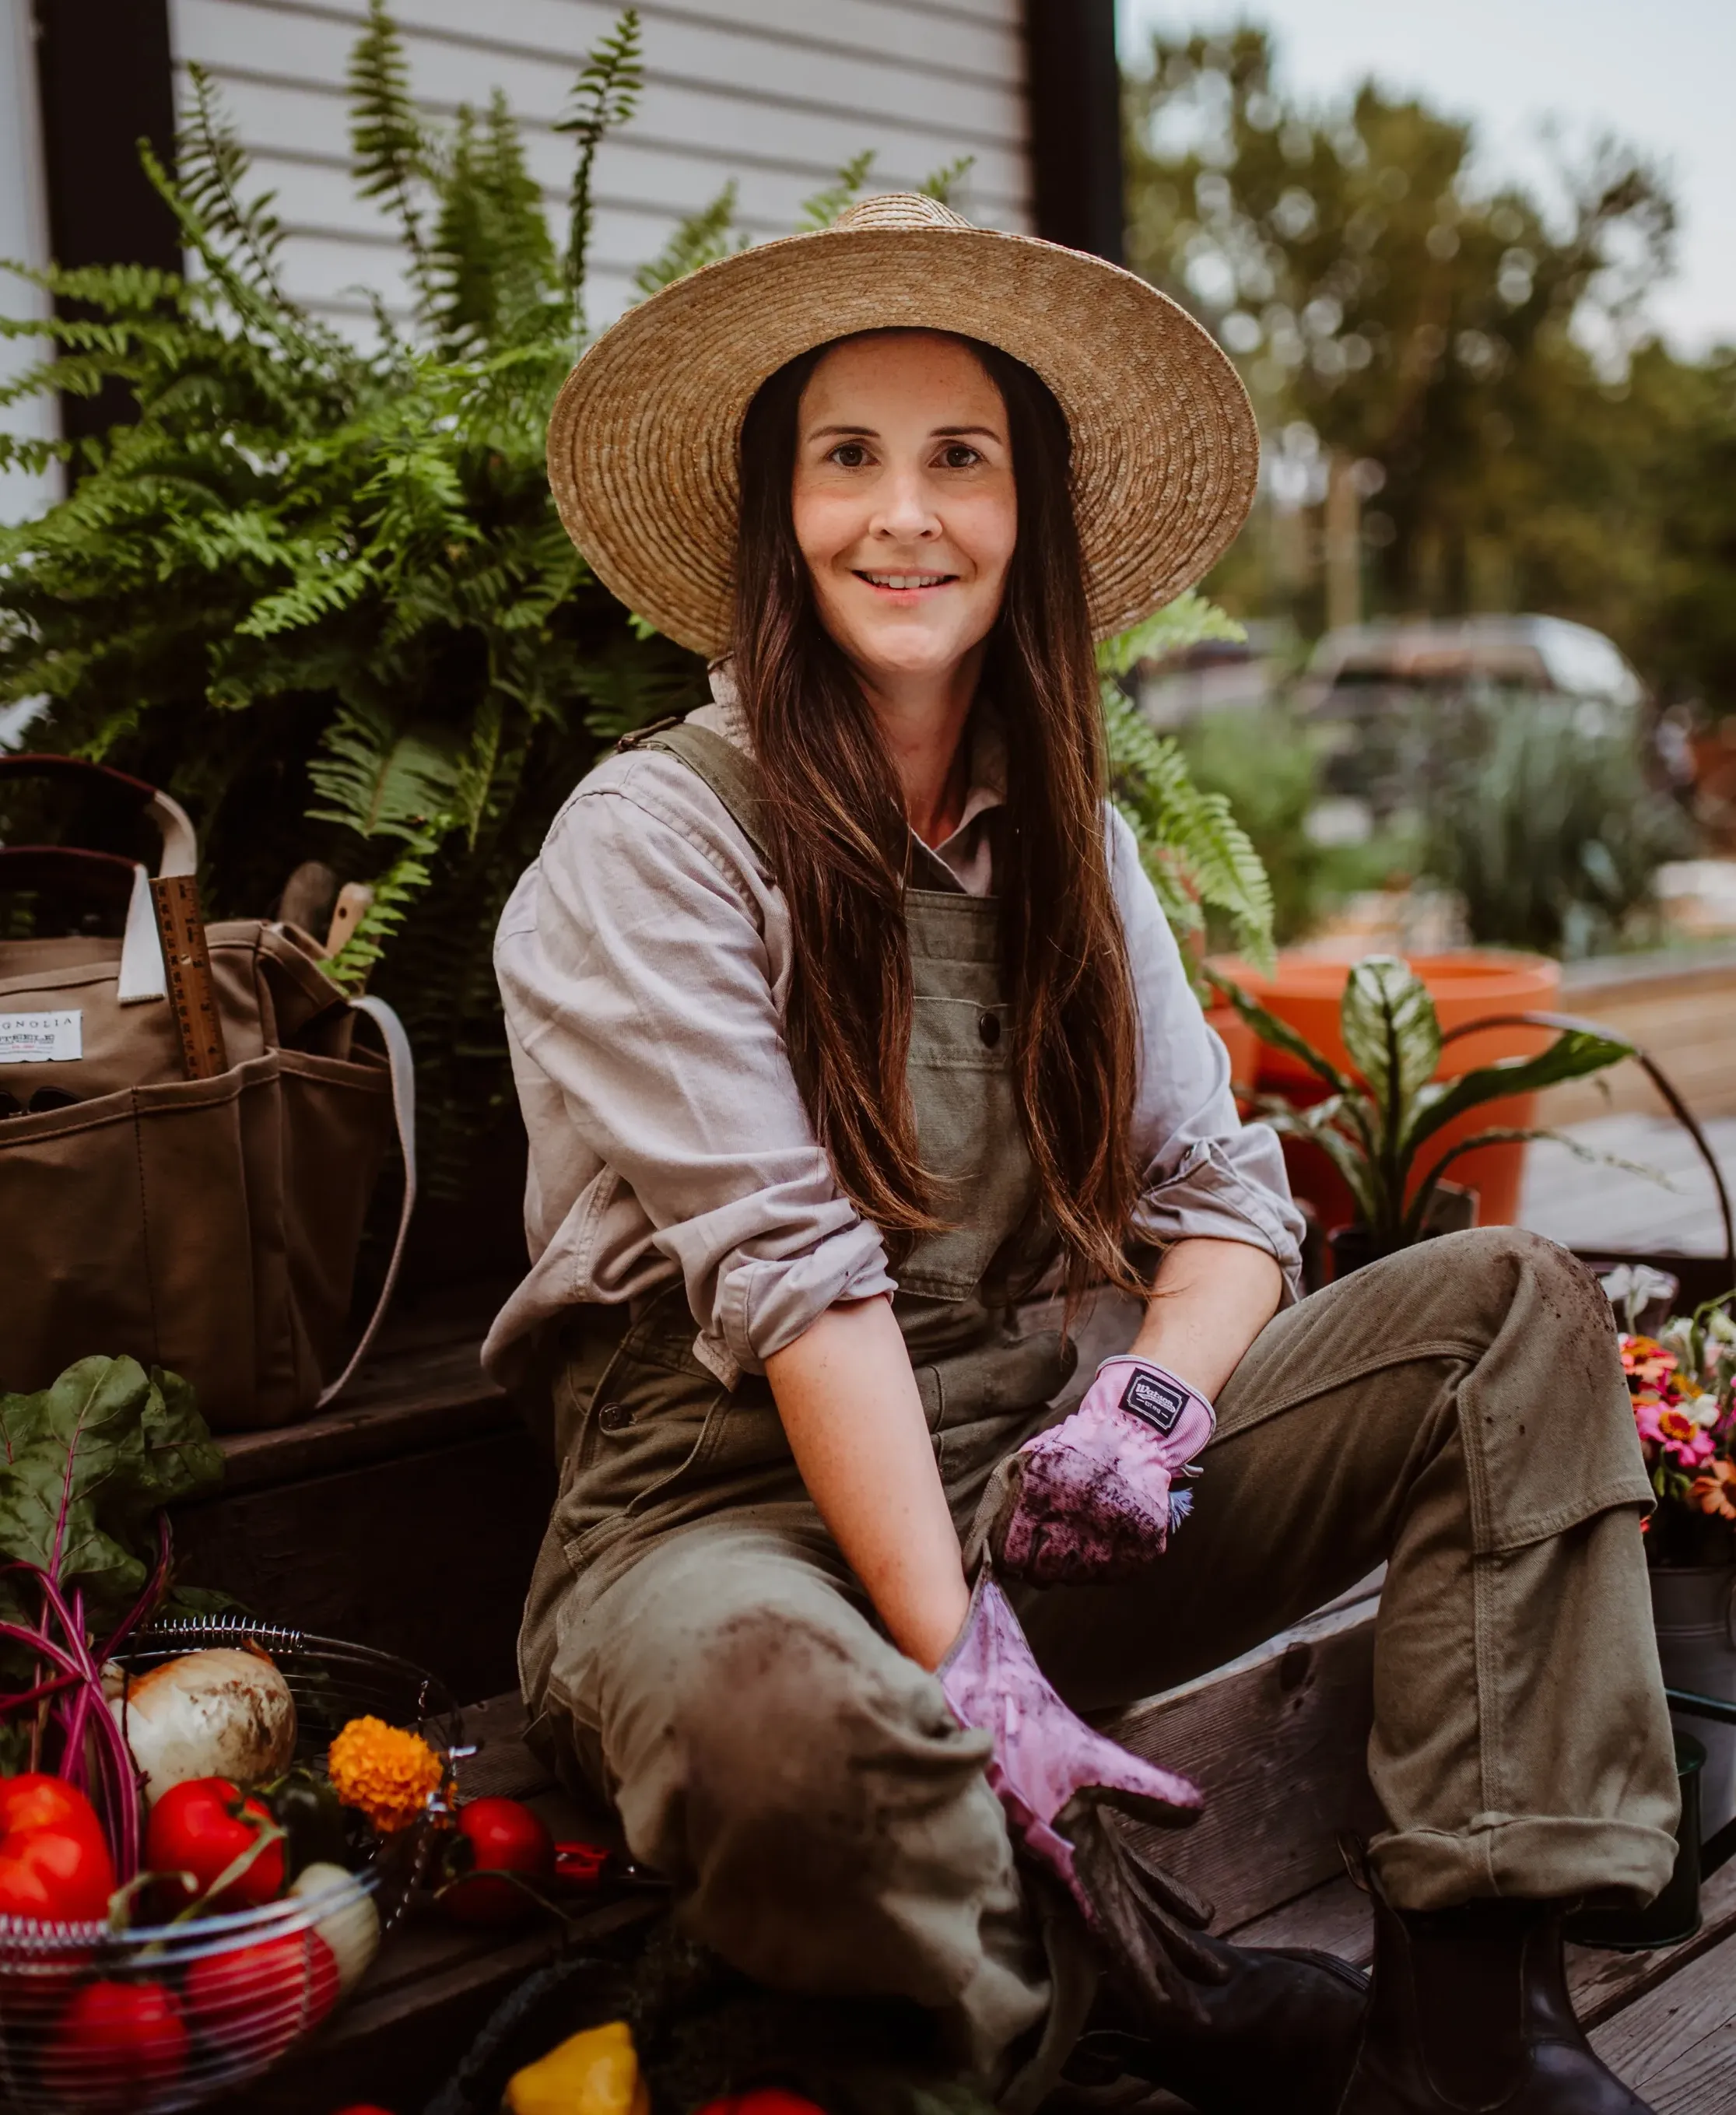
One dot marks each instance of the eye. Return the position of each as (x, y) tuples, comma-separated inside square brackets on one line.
[(848, 455), (960, 455)]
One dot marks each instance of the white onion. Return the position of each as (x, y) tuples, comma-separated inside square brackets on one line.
[(346, 1920), (221, 1714)]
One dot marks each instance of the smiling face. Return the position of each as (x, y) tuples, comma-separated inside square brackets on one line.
[(904, 505)]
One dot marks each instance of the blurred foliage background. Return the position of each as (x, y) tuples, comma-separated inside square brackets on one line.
[(1464, 410), (1478, 360)]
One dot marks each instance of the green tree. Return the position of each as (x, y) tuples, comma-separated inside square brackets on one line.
[(1424, 329)]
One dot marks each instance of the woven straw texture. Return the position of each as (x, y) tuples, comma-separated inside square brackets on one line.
[(642, 445)]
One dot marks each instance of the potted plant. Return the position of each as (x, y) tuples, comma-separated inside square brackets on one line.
[(1683, 1383), (1467, 985), (1384, 1124)]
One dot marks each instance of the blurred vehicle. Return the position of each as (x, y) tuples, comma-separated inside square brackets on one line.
[(1392, 699), (1218, 675)]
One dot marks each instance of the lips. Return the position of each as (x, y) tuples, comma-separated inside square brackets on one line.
[(906, 583)]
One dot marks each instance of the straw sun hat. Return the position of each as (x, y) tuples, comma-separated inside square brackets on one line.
[(643, 441)]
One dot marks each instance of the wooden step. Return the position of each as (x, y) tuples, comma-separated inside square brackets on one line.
[(407, 1517)]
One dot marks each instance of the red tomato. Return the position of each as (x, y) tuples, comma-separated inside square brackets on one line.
[(202, 1828), (761, 2100), (54, 1861), (253, 2001), (503, 1837), (116, 2042)]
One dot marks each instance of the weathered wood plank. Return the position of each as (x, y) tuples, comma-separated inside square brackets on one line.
[(1604, 1983), (425, 1553), (1278, 1741), (1676, 2046), (1337, 1918), (1332, 1918)]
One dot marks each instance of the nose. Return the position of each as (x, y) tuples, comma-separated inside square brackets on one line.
[(905, 514)]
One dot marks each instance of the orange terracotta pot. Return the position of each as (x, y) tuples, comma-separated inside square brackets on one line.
[(1466, 986)]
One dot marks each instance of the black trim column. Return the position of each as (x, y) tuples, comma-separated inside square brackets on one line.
[(1074, 93), (103, 74)]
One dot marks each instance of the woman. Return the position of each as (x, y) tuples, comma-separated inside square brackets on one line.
[(842, 1013)]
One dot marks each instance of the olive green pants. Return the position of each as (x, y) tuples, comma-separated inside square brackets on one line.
[(697, 1649)]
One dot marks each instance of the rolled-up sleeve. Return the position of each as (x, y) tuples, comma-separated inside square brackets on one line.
[(1202, 1172), (640, 983)]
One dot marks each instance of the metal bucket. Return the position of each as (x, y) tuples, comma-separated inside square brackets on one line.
[(1694, 1609)]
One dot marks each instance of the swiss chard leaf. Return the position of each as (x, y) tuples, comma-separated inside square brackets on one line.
[(85, 1464)]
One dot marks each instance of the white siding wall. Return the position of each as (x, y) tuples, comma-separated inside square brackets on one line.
[(777, 94), (24, 237)]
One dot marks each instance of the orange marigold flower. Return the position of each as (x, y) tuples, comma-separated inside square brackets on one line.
[(387, 1774), (1714, 1490)]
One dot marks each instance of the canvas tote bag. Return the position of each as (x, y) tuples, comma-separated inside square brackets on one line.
[(207, 1225)]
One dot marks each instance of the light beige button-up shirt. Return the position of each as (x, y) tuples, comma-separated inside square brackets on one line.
[(644, 962)]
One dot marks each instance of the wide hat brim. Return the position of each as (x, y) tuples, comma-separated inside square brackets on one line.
[(643, 441)]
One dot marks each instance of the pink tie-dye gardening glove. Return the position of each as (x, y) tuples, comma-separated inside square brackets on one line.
[(1053, 1776), (1092, 1498)]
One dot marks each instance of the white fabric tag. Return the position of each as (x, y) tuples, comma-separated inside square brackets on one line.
[(38, 1038)]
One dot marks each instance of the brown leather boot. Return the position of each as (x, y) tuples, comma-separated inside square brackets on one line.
[(1470, 2015)]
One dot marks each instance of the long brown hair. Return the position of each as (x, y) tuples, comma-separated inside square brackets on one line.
[(840, 847)]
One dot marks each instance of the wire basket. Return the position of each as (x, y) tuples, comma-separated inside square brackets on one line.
[(167, 2016)]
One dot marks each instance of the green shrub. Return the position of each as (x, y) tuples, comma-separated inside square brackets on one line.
[(1541, 817)]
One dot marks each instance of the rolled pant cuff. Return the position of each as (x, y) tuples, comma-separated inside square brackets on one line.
[(1537, 1857)]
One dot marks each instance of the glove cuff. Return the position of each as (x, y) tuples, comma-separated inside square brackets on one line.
[(1151, 1393)]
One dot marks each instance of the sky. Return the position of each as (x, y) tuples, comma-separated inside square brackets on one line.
[(1660, 74)]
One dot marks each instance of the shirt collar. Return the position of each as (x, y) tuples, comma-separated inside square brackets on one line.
[(962, 851)]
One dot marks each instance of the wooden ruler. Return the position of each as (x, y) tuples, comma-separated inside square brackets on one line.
[(192, 991)]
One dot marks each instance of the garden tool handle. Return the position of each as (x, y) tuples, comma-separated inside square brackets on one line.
[(180, 844), (1658, 1078)]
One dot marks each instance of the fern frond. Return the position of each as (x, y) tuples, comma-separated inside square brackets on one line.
[(1215, 861), (944, 181), (381, 780), (605, 95), (702, 238), (391, 154), (211, 166), (492, 271), (395, 893), (824, 207), (1189, 620)]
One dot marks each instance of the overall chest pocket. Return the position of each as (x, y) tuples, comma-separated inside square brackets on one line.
[(968, 1127)]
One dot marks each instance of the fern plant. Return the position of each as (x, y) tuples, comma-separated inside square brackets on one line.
[(319, 590)]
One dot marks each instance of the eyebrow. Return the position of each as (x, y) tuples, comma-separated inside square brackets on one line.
[(872, 433)]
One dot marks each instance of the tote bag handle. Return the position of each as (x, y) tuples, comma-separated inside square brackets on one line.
[(143, 973), (402, 1069)]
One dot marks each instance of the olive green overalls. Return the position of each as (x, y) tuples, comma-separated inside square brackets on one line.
[(694, 1647)]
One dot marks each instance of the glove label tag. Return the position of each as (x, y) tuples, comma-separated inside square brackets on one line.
[(1155, 1397)]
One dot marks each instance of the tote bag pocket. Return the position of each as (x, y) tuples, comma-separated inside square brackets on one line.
[(207, 1226)]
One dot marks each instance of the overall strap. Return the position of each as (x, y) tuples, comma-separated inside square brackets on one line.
[(729, 772)]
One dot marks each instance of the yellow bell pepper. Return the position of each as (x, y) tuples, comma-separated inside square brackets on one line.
[(595, 2073)]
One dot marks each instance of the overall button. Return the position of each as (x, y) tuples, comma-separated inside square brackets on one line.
[(614, 1417), (988, 1027)]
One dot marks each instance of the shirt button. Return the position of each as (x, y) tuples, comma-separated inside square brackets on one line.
[(988, 1027), (614, 1417)]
